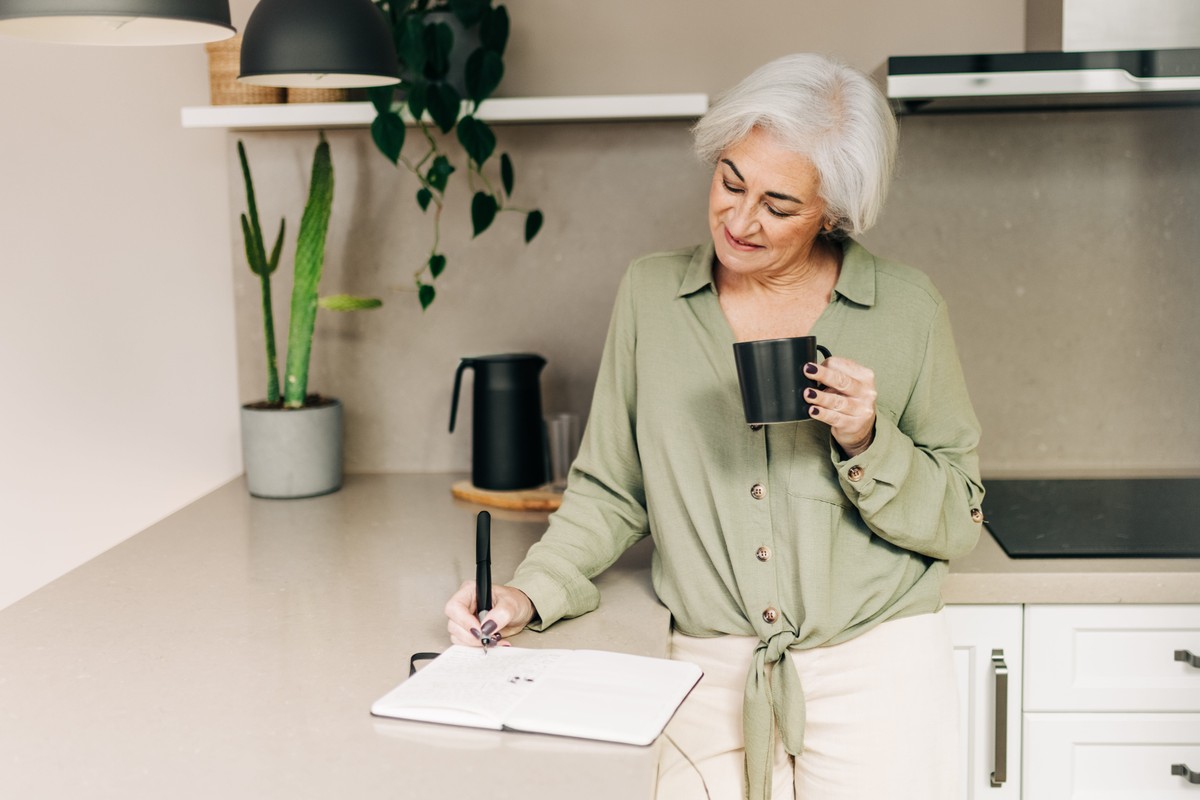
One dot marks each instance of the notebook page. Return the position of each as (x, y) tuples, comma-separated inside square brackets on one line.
[(465, 686), (608, 696)]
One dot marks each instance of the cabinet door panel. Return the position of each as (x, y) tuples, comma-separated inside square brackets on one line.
[(977, 633), (1110, 756), (1111, 658)]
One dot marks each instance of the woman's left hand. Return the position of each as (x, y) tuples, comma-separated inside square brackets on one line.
[(846, 403)]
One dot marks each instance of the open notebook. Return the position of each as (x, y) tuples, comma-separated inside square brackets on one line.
[(590, 694)]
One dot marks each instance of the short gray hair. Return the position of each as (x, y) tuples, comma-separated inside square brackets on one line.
[(824, 110)]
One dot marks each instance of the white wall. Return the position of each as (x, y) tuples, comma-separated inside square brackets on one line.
[(118, 399)]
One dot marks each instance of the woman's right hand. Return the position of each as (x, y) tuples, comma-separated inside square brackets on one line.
[(511, 611)]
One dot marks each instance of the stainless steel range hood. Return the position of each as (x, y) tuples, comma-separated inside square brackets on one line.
[(1083, 53)]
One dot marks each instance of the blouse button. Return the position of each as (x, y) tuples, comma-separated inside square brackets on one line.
[(758, 491), (770, 615), (855, 473), (763, 553), (976, 515)]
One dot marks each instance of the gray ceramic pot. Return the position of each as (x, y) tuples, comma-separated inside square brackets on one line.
[(292, 453)]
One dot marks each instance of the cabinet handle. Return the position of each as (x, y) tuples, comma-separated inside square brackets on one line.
[(1187, 657), (1182, 769), (1000, 757)]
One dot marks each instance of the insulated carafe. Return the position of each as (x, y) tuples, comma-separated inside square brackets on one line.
[(508, 444)]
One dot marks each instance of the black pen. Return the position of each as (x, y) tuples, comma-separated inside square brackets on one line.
[(483, 575)]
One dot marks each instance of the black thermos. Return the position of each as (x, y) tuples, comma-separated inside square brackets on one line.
[(508, 447)]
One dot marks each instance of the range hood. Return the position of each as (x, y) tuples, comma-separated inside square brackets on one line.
[(1081, 54)]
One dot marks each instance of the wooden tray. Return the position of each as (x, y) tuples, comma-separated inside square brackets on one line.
[(521, 500)]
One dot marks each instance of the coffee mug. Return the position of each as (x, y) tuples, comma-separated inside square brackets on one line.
[(772, 378)]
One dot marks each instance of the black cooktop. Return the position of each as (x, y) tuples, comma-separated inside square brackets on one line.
[(1115, 517)]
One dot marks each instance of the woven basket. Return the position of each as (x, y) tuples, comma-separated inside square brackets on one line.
[(325, 95), (224, 63)]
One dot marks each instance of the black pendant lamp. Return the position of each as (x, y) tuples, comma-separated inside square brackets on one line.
[(119, 22), (318, 44)]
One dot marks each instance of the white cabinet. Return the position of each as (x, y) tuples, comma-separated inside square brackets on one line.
[(1112, 702), (1123, 756), (988, 659)]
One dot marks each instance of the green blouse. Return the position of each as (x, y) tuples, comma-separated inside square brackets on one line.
[(767, 531)]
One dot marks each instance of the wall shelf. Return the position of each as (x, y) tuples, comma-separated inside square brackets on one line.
[(598, 108)]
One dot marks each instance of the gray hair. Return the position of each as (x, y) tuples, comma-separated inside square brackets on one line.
[(821, 109)]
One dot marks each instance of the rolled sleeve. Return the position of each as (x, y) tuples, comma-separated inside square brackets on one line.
[(918, 484)]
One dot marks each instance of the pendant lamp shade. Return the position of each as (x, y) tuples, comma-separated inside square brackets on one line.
[(316, 44), (117, 22)]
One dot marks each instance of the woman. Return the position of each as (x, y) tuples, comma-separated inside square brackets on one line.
[(801, 562)]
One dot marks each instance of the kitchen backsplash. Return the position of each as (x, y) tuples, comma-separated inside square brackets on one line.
[(1065, 243)]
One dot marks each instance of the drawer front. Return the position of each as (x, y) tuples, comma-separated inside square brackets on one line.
[(1110, 756), (1112, 658)]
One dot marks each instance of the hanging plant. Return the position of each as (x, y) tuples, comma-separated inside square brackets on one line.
[(435, 39)]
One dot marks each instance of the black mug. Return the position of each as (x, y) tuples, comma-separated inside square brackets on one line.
[(771, 375)]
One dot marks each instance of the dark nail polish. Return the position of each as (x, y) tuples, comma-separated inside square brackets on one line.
[(475, 632), (810, 368), (814, 411), (496, 636), (810, 394), (489, 626)]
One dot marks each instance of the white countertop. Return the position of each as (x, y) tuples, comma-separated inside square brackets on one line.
[(233, 650)]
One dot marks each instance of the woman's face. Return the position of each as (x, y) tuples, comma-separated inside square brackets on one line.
[(764, 210)]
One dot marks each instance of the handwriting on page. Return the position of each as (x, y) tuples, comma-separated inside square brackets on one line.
[(464, 678)]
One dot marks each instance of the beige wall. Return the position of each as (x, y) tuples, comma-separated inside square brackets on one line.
[(1062, 241), (117, 380)]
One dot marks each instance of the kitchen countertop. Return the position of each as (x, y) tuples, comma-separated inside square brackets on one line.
[(233, 650), (989, 575)]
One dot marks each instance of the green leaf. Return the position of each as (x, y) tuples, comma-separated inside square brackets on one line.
[(506, 173), (417, 94), (425, 293), (387, 129), (469, 11), (439, 173), (444, 105), (346, 302), (254, 239), (485, 69), (310, 258), (476, 138), (410, 44), (439, 41), (252, 257), (437, 263), (493, 31), (483, 211), (533, 224), (273, 261), (423, 197), (382, 97)]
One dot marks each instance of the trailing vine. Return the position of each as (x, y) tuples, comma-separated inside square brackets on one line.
[(433, 99)]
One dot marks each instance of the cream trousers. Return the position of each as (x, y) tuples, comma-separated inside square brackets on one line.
[(882, 719)]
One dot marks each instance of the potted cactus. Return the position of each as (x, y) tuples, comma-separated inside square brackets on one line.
[(292, 440)]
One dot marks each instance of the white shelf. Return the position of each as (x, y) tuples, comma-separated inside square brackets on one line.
[(610, 108)]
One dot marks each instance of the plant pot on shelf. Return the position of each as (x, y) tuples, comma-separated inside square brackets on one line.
[(295, 95), (224, 64), (291, 453)]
